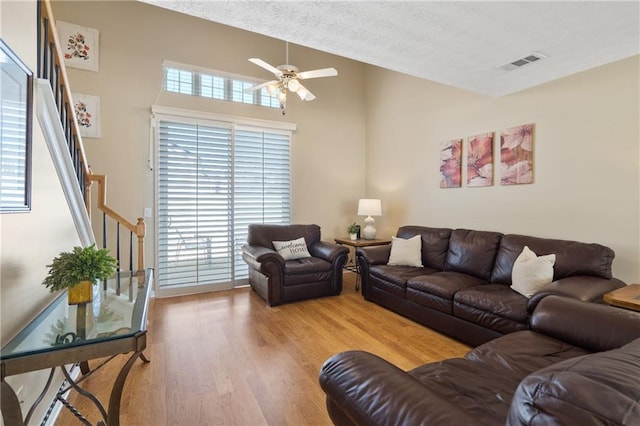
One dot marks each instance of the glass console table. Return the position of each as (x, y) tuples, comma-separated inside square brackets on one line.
[(114, 323)]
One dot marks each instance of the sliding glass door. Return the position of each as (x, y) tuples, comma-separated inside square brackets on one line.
[(213, 179)]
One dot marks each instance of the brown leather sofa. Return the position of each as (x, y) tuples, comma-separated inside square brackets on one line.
[(278, 281), (463, 288), (579, 364)]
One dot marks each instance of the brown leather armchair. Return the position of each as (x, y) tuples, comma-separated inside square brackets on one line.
[(281, 281)]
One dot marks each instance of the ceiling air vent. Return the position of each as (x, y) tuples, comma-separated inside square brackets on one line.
[(523, 61)]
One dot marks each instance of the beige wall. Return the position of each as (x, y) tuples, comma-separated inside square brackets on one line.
[(328, 148), (587, 182), (30, 240)]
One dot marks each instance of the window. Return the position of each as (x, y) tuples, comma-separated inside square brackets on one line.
[(194, 81), (213, 179)]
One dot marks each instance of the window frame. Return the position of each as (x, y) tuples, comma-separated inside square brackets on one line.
[(230, 93)]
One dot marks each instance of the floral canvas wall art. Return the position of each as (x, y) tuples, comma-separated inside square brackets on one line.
[(87, 108), (79, 45), (451, 164), (516, 155), (480, 160)]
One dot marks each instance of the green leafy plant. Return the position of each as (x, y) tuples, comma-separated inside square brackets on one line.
[(82, 264), (353, 228)]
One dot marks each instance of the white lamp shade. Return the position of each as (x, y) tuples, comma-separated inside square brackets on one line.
[(369, 207), (293, 85)]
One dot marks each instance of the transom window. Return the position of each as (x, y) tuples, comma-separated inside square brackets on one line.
[(195, 81)]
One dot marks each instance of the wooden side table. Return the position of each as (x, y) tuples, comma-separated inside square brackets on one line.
[(352, 265), (626, 297)]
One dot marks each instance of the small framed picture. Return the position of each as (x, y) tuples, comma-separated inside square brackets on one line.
[(87, 108), (80, 46)]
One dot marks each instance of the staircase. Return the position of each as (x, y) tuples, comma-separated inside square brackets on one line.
[(55, 109)]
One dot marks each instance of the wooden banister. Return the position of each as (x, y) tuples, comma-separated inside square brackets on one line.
[(138, 228), (51, 67), (58, 59)]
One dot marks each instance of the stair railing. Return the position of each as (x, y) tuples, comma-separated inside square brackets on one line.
[(51, 67)]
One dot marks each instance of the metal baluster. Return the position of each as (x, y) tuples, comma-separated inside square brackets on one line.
[(40, 43), (130, 251), (118, 258), (104, 241)]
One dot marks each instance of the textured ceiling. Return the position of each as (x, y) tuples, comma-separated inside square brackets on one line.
[(461, 44)]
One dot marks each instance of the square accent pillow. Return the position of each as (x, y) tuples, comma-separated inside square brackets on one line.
[(294, 249), (531, 273), (406, 252)]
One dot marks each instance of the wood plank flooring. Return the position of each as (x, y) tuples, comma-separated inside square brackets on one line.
[(226, 358)]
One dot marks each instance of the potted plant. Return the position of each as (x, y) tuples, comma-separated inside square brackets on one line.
[(353, 231), (78, 270)]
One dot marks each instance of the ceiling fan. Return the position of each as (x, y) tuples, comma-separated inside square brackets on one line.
[(288, 80)]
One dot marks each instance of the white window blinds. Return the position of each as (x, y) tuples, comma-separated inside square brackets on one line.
[(262, 183), (213, 180), (13, 155)]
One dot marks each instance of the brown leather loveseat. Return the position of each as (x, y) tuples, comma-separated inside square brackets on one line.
[(578, 364), (280, 281), (463, 287)]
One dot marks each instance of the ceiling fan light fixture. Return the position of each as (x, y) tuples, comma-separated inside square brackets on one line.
[(293, 85), (272, 89), (282, 97)]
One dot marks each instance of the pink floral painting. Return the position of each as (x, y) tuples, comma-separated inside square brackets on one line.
[(451, 164), (516, 155), (480, 160)]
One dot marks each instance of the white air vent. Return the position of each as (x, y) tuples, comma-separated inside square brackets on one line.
[(523, 61)]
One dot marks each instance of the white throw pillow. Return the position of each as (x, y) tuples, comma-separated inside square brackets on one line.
[(406, 252), (531, 273), (294, 249)]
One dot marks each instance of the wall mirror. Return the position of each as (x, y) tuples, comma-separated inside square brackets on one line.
[(16, 109)]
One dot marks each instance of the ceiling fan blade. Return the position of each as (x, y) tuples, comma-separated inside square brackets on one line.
[(259, 62), (305, 94), (324, 72), (260, 86)]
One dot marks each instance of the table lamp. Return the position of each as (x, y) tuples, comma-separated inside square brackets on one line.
[(369, 207)]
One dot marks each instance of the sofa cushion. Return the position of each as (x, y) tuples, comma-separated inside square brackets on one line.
[(394, 278), (494, 306), (435, 243), (531, 272), (478, 390), (406, 252), (436, 290), (596, 389), (443, 284), (572, 257), (306, 265), (524, 352), (472, 252)]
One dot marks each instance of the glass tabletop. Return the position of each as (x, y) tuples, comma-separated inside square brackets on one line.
[(118, 310)]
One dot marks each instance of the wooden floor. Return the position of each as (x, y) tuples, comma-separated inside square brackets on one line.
[(226, 358)]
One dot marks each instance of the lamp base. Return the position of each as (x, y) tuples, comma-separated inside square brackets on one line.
[(369, 232)]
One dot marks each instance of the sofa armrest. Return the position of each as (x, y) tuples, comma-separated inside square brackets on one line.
[(375, 255), (257, 256), (327, 251), (591, 326), (581, 287), (368, 390)]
